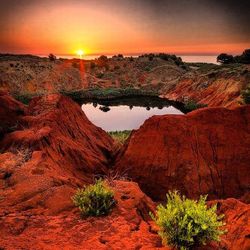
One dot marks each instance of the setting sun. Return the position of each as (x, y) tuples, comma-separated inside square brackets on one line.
[(80, 52)]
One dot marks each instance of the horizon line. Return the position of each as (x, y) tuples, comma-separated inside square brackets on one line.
[(114, 54)]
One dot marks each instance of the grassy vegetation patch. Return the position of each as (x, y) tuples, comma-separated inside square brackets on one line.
[(186, 223), (107, 93), (191, 105), (95, 200), (25, 98), (246, 95), (120, 136)]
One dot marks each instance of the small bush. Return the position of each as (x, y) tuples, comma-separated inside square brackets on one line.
[(120, 136), (246, 95), (191, 105), (243, 58), (186, 223), (95, 200), (225, 58), (52, 57)]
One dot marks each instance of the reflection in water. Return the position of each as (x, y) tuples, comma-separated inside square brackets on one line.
[(103, 108), (123, 117)]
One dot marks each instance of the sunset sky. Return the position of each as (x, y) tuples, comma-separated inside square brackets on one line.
[(119, 26)]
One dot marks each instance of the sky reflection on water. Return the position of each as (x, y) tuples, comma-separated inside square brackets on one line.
[(123, 117)]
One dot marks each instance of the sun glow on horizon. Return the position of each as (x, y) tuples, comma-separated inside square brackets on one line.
[(80, 53), (84, 28)]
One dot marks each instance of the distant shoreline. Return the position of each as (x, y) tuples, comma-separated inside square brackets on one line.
[(185, 58)]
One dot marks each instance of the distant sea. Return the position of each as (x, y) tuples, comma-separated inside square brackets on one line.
[(185, 58)]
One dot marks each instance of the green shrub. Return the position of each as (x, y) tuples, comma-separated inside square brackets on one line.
[(95, 200), (191, 105), (186, 223), (25, 99), (246, 95), (120, 136), (225, 58)]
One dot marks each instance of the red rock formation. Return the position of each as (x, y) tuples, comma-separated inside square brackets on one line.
[(54, 149), (127, 227), (214, 85), (204, 152), (218, 86)]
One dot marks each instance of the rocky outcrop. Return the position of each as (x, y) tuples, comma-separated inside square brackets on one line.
[(204, 152), (210, 85), (127, 227), (53, 149)]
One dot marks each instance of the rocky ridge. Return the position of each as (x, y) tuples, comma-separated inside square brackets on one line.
[(210, 84)]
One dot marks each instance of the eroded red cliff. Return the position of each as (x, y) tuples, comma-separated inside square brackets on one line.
[(215, 86), (53, 149), (204, 152)]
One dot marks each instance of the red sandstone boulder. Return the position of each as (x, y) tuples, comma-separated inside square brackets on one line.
[(204, 152), (54, 149)]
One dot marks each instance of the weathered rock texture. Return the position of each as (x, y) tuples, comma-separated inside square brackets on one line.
[(53, 149), (10, 113), (237, 219), (204, 152), (214, 85), (127, 227)]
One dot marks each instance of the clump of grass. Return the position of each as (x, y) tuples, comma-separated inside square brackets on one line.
[(246, 95), (95, 200), (107, 93), (24, 98), (186, 223), (120, 136), (191, 105)]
